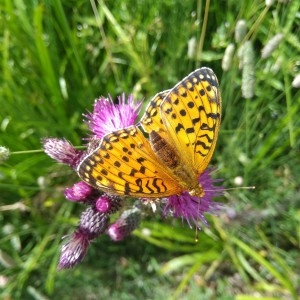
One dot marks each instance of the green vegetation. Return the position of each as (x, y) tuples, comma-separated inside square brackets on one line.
[(58, 56)]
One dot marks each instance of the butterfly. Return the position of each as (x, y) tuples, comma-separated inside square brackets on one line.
[(182, 126)]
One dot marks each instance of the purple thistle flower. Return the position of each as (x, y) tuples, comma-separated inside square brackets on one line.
[(123, 227), (104, 204), (78, 192), (108, 117), (92, 224), (108, 204), (74, 250), (82, 192), (94, 221), (193, 208), (62, 151)]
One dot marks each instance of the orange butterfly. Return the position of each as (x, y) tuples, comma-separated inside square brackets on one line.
[(182, 124)]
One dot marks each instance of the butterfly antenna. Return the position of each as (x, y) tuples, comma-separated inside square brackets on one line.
[(230, 189)]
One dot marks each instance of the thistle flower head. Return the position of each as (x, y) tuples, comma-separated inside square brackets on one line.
[(192, 208), (107, 116), (62, 151), (74, 250), (93, 223)]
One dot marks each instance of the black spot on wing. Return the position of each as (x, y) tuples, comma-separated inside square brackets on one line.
[(104, 172), (125, 158), (190, 130), (117, 164), (147, 185), (213, 115), (208, 139), (126, 188), (182, 112), (179, 127), (191, 104)]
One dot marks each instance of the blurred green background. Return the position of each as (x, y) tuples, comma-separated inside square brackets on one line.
[(58, 56)]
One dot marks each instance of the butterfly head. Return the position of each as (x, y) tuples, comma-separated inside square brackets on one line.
[(197, 191)]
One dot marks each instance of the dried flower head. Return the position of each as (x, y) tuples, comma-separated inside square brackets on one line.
[(228, 56), (269, 2), (4, 153), (240, 30), (296, 81), (248, 70), (62, 151), (271, 45), (192, 47), (74, 250)]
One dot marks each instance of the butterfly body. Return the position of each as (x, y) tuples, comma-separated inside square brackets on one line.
[(163, 150), (182, 124), (185, 175)]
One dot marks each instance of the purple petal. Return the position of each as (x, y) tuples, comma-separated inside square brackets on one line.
[(103, 204), (108, 117), (108, 204), (78, 192), (193, 208)]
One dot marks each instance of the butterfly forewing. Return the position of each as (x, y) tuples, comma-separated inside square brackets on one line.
[(125, 164), (151, 120)]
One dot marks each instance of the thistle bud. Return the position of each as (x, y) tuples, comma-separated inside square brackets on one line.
[(62, 151), (74, 250), (78, 192), (128, 221), (93, 223)]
